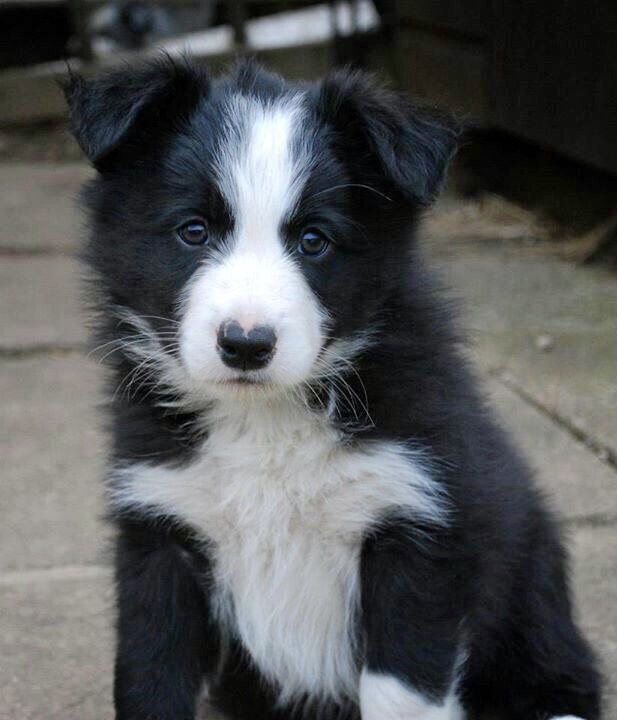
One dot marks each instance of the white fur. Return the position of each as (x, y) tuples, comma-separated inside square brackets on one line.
[(566, 717), (252, 279), (383, 697), (285, 507)]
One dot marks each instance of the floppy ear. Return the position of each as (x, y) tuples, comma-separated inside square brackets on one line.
[(412, 145), (107, 110)]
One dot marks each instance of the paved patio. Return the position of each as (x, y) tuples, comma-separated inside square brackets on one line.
[(543, 337)]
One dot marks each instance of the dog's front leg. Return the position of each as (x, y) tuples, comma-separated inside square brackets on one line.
[(165, 643), (412, 611)]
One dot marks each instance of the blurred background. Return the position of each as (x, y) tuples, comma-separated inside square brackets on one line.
[(525, 234)]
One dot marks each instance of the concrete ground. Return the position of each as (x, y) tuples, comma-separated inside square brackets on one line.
[(543, 337)]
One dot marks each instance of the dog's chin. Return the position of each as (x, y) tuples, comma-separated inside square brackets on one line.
[(205, 383), (245, 387)]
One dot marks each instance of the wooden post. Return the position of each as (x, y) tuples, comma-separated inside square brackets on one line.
[(237, 16), (79, 17)]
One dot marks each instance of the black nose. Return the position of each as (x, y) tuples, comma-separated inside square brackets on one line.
[(245, 351)]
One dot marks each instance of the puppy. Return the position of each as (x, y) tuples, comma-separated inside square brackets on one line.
[(316, 514)]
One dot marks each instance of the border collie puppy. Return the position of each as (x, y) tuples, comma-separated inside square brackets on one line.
[(316, 514)]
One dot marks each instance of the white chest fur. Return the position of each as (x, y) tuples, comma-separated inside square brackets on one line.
[(285, 507)]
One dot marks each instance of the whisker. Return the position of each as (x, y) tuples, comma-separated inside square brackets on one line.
[(351, 185), (156, 317), (111, 342), (331, 367), (127, 343)]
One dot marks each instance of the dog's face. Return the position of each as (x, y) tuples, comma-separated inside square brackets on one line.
[(252, 230)]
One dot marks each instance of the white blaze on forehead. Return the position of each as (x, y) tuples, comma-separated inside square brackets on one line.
[(261, 168)]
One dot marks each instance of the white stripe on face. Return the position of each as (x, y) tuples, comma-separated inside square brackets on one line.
[(257, 171), (255, 282)]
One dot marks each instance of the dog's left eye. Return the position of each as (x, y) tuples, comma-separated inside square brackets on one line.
[(313, 243), (193, 232)]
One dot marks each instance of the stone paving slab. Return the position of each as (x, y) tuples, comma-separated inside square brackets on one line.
[(56, 649), (513, 296), (576, 483), (594, 570), (37, 205), (51, 449), (40, 303), (56, 646)]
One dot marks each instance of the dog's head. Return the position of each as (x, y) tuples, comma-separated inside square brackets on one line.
[(252, 230)]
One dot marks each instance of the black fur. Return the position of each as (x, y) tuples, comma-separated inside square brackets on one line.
[(495, 576)]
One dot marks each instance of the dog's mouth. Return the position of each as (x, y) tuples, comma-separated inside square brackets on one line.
[(248, 381)]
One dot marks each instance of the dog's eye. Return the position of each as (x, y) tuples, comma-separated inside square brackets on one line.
[(194, 232), (313, 243)]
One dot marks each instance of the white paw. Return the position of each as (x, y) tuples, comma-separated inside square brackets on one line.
[(384, 697)]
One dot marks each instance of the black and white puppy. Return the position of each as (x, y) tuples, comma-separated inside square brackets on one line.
[(317, 516)]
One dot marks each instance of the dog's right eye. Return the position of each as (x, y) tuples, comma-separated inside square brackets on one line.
[(193, 232)]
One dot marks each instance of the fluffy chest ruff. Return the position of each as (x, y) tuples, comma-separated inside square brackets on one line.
[(284, 506)]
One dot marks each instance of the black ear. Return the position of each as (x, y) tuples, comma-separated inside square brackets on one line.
[(105, 111), (412, 145)]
